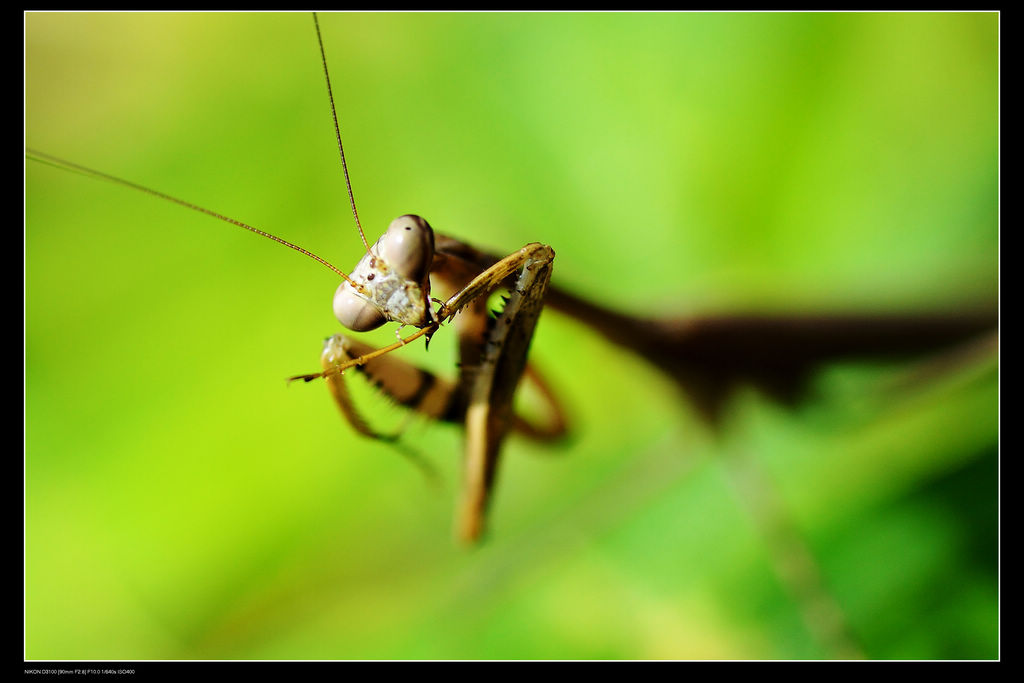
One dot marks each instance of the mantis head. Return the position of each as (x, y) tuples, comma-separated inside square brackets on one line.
[(391, 282)]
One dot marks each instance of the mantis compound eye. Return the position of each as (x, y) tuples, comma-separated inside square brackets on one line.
[(408, 247), (355, 312)]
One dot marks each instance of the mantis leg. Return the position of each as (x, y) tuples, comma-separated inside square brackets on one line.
[(406, 384), (427, 394)]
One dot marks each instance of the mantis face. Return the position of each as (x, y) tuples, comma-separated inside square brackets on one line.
[(391, 282)]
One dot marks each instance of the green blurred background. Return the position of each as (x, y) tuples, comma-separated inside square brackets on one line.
[(183, 502)]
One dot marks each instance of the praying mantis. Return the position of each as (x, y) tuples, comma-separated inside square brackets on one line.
[(709, 382), (568, 268), (392, 283)]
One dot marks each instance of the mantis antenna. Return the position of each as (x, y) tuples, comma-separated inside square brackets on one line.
[(51, 160), (337, 134)]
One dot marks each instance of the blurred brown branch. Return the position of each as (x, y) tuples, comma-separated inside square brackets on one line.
[(710, 356)]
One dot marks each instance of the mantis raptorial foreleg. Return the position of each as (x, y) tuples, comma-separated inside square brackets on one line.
[(488, 416)]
